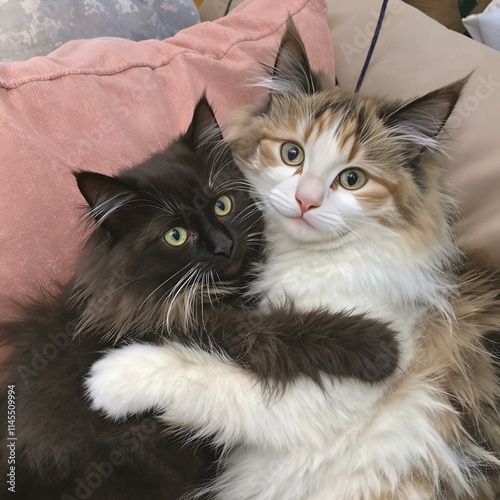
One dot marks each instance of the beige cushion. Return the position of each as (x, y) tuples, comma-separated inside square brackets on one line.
[(414, 55)]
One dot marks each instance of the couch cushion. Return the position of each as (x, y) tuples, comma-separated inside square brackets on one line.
[(415, 55), (106, 103)]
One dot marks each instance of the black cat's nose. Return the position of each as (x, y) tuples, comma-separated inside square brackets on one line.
[(220, 243), (224, 248)]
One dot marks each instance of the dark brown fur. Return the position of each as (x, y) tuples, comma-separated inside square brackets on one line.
[(284, 344), (64, 449)]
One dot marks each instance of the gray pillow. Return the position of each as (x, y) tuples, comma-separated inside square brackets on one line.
[(31, 28)]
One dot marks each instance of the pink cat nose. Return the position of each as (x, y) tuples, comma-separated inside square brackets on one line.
[(305, 205), (310, 192)]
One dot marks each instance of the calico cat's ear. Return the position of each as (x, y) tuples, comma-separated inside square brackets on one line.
[(108, 198), (292, 71), (204, 130), (420, 121)]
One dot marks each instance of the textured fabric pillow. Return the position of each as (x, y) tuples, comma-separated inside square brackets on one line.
[(415, 55), (35, 28), (106, 103)]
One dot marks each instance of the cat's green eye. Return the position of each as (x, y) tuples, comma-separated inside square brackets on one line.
[(352, 178), (176, 236), (223, 206), (292, 154)]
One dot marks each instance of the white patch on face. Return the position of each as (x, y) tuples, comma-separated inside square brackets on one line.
[(327, 213)]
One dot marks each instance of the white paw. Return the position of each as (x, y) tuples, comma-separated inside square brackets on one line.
[(119, 384)]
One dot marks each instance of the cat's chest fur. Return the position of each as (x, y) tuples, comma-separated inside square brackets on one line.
[(378, 278), (371, 282)]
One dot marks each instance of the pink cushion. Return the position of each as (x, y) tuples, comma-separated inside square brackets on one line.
[(107, 103)]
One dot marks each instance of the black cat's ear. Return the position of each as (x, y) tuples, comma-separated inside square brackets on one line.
[(420, 121), (108, 198), (204, 130), (292, 71)]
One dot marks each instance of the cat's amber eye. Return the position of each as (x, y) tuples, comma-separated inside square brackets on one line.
[(292, 154), (223, 206), (176, 236), (352, 178)]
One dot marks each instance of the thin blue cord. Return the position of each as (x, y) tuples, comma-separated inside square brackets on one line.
[(228, 7), (372, 45)]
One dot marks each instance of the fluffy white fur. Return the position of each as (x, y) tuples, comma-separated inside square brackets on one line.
[(305, 444)]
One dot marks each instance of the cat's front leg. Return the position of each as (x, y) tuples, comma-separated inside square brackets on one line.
[(213, 396), (131, 379), (282, 343), (191, 388)]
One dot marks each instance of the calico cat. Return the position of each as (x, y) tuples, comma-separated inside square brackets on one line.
[(169, 257), (356, 218)]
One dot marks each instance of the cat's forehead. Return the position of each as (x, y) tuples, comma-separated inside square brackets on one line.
[(334, 121), (178, 180)]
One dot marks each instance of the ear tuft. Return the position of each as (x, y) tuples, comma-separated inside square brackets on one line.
[(292, 71), (204, 131), (420, 121)]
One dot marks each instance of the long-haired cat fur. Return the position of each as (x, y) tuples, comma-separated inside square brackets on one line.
[(356, 219), (169, 256)]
